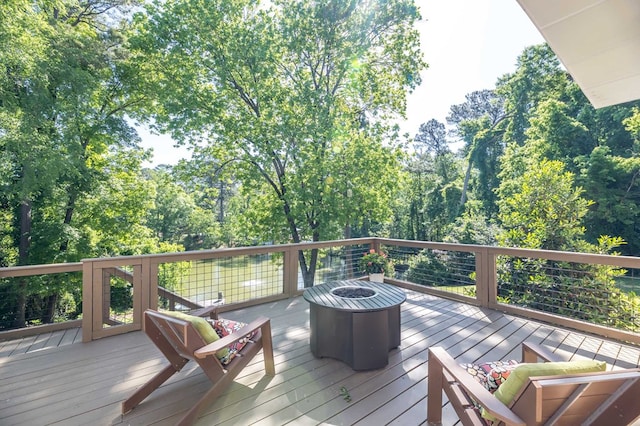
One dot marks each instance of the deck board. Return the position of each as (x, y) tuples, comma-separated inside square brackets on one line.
[(56, 380), (41, 341)]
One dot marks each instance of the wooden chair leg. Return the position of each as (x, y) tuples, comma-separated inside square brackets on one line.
[(267, 349), (217, 387), (208, 398), (434, 391), (153, 384)]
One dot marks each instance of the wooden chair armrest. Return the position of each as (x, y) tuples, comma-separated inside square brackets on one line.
[(214, 347), (473, 388), (531, 352)]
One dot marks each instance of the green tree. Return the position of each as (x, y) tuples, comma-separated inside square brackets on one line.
[(595, 146), (62, 110), (176, 218), (560, 136), (538, 77), (480, 124), (541, 94), (430, 197), (215, 193), (613, 182), (632, 125), (473, 227), (294, 97), (542, 209)]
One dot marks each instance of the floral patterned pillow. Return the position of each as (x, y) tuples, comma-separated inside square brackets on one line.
[(491, 374), (224, 327)]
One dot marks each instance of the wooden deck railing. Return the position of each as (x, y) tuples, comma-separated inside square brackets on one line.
[(486, 281), (473, 278), (34, 271)]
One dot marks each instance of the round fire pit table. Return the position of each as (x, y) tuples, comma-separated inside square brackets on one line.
[(357, 322)]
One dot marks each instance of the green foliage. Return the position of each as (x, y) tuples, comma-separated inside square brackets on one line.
[(441, 268), (556, 134), (375, 262), (67, 306), (632, 125), (472, 227), (442, 195), (175, 216), (538, 77), (429, 200), (579, 291), (480, 124), (293, 98), (121, 297), (612, 181), (344, 393), (46, 298), (62, 121), (542, 209)]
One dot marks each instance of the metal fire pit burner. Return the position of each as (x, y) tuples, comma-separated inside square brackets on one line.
[(358, 330), (351, 292)]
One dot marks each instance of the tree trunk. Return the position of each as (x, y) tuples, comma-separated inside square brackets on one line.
[(49, 311), (463, 197), (23, 259), (71, 203), (221, 200), (309, 273)]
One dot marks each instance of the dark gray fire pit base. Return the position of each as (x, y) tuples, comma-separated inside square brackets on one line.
[(359, 331)]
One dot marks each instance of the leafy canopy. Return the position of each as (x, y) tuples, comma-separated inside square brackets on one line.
[(294, 97)]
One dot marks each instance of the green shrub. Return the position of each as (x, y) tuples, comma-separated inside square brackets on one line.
[(441, 268)]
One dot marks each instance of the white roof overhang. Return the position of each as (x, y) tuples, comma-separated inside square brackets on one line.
[(598, 42)]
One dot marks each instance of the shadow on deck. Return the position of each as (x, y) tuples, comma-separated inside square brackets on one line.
[(85, 383)]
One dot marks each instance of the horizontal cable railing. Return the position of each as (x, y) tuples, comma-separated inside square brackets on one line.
[(40, 296), (595, 293), (600, 294), (590, 292), (450, 271)]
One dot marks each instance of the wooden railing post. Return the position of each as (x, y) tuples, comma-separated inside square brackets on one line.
[(492, 278), (106, 295), (149, 279), (486, 277), (482, 277), (138, 295), (87, 301), (290, 271)]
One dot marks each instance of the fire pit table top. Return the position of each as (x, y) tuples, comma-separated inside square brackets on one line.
[(328, 295)]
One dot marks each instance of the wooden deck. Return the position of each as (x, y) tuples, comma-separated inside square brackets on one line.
[(40, 342), (85, 383)]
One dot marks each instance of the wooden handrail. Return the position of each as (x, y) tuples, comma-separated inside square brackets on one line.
[(174, 298), (141, 272)]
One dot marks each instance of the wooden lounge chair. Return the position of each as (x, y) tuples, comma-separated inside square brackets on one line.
[(595, 398), (181, 339)]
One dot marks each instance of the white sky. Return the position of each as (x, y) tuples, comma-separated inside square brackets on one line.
[(468, 44)]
